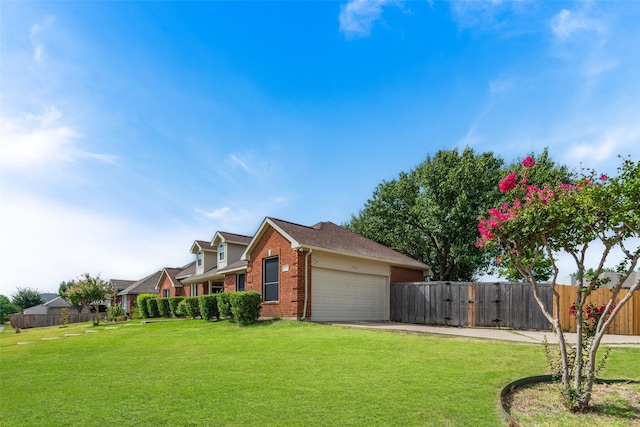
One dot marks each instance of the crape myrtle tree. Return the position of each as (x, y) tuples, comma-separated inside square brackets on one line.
[(546, 172), (89, 291), (430, 213), (62, 291), (570, 218)]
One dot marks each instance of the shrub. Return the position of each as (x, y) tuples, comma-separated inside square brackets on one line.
[(134, 313), (246, 306), (224, 305), (209, 307), (192, 307), (163, 307), (152, 307), (181, 309), (173, 305), (142, 304), (114, 311)]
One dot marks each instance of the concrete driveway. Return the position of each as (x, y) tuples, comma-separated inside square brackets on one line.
[(489, 333)]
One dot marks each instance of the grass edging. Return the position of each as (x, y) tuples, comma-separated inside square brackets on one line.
[(513, 386)]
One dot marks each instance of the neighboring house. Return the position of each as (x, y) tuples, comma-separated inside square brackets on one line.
[(146, 285), (205, 280), (52, 306), (209, 278), (119, 286), (169, 284), (613, 279), (321, 273)]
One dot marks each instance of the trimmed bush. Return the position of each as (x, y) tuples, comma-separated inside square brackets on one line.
[(181, 310), (192, 307), (152, 307), (163, 307), (173, 305), (224, 305), (135, 314), (142, 303), (209, 307), (246, 307)]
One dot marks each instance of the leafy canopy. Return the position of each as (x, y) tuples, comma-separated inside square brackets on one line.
[(430, 213), (27, 297)]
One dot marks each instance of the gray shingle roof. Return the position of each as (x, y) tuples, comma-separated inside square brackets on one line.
[(329, 236), (235, 238), (187, 270), (238, 265), (120, 284), (143, 286)]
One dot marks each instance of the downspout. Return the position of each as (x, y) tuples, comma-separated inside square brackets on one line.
[(306, 284)]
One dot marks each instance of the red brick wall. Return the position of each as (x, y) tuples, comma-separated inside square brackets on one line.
[(230, 282), (291, 283), (165, 283), (403, 274)]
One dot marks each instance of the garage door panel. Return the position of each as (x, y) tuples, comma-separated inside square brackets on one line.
[(339, 295)]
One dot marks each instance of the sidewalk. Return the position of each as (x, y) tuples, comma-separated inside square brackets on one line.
[(490, 333)]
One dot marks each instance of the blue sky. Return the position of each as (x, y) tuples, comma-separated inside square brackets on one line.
[(130, 129)]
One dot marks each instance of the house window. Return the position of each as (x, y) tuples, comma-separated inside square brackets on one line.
[(199, 259), (165, 293), (270, 279), (240, 282), (194, 290), (221, 252)]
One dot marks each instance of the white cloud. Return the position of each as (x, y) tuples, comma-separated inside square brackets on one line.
[(30, 141), (566, 24), (251, 163), (603, 147), (45, 242), (35, 38), (357, 16), (242, 217)]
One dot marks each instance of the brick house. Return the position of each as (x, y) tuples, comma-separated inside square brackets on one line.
[(128, 297), (321, 273)]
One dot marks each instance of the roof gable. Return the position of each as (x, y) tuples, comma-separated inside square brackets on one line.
[(202, 245), (224, 236), (332, 238)]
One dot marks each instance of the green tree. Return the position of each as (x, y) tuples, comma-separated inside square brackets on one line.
[(26, 297), (62, 291), (430, 213), (568, 218), (89, 291), (6, 308)]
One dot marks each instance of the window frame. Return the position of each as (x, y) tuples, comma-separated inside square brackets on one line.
[(199, 257), (244, 282), (166, 293), (194, 290), (221, 252), (271, 284)]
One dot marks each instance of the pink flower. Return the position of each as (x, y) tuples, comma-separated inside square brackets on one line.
[(499, 260), (528, 162), (603, 177), (508, 184), (566, 186)]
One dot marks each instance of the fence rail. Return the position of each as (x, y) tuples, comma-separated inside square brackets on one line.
[(24, 321), (509, 305)]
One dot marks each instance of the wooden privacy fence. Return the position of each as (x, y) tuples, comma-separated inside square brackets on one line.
[(24, 321), (627, 322), (508, 305)]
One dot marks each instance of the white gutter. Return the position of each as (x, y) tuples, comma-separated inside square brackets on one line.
[(306, 283)]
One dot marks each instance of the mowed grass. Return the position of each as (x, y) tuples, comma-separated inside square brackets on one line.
[(196, 373)]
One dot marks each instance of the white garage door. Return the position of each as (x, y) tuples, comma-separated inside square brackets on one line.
[(341, 296)]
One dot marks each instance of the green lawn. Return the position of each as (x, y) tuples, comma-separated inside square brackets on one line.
[(197, 373)]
